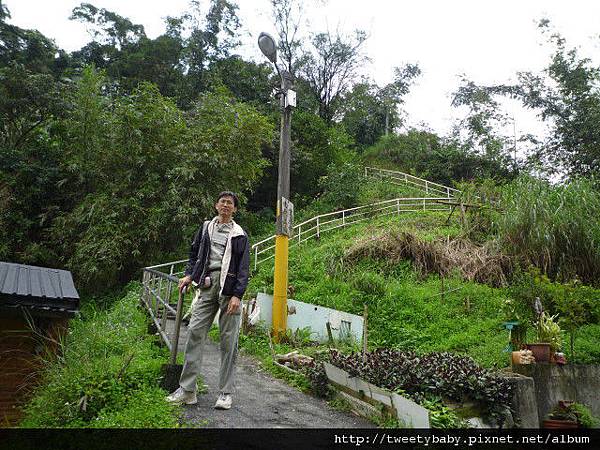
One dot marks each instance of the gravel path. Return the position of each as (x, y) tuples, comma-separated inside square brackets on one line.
[(261, 401)]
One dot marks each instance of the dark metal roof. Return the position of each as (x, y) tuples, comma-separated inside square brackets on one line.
[(37, 288)]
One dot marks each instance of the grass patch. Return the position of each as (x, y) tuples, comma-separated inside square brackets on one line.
[(107, 374)]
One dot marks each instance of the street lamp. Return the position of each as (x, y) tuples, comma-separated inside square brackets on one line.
[(285, 209)]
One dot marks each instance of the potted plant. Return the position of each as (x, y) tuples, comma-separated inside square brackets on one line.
[(549, 335), (562, 416), (569, 414)]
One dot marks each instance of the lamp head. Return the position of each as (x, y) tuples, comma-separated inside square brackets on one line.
[(267, 46)]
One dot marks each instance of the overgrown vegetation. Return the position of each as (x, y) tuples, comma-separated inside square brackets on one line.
[(482, 264), (111, 155), (106, 374), (427, 155), (554, 228)]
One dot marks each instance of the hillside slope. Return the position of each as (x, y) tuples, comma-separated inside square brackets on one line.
[(406, 306)]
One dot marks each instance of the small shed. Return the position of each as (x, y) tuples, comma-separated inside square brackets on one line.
[(36, 304)]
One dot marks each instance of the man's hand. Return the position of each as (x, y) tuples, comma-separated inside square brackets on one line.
[(183, 282), (234, 305)]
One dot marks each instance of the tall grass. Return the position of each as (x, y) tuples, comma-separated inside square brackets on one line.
[(554, 228), (106, 375)]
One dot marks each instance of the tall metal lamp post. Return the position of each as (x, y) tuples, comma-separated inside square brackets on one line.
[(285, 209)]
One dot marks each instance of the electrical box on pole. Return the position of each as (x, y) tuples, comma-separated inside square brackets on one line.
[(290, 98)]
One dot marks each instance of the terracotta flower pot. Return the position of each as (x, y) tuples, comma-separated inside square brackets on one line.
[(559, 424), (541, 351)]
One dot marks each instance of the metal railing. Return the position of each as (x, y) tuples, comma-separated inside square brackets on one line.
[(396, 177), (157, 292), (312, 228)]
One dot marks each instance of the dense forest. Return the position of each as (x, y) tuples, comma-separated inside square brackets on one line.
[(111, 155)]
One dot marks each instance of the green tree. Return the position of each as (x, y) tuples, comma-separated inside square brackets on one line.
[(569, 100), (483, 121), (212, 37), (435, 158), (30, 104), (107, 27), (142, 175), (330, 67), (369, 111), (315, 147), (180, 62), (29, 48), (247, 81), (287, 17), (566, 96)]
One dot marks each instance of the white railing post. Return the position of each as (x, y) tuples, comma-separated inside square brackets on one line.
[(426, 187), (300, 232), (167, 299), (255, 257), (318, 230), (423, 204), (398, 206), (344, 218)]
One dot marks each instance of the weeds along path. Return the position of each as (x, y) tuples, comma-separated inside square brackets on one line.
[(260, 400)]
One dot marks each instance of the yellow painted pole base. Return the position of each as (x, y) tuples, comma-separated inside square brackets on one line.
[(280, 287)]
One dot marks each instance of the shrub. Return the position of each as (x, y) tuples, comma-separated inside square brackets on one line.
[(319, 383), (585, 418), (341, 185)]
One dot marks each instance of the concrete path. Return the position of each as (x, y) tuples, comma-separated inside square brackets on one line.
[(260, 400)]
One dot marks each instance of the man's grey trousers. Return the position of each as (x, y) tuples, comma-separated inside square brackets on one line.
[(207, 303)]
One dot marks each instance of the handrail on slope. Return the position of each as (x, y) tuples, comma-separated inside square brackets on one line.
[(312, 228), (406, 178)]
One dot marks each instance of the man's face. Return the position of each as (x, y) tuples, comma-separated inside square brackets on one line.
[(225, 206)]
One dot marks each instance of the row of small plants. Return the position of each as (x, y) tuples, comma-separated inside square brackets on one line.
[(440, 415), (311, 377), (432, 380), (439, 374), (106, 374)]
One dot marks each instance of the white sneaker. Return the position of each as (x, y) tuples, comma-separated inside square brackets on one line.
[(182, 396), (223, 402)]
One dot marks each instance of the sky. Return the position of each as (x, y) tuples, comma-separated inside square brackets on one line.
[(487, 41)]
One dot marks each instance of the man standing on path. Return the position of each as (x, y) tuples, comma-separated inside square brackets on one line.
[(219, 264)]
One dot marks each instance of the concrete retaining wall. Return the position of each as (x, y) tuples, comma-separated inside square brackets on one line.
[(553, 382), (524, 401), (407, 411)]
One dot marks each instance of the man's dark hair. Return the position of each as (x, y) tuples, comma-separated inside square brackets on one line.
[(236, 201)]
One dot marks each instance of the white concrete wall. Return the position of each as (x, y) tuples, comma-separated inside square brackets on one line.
[(315, 317)]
